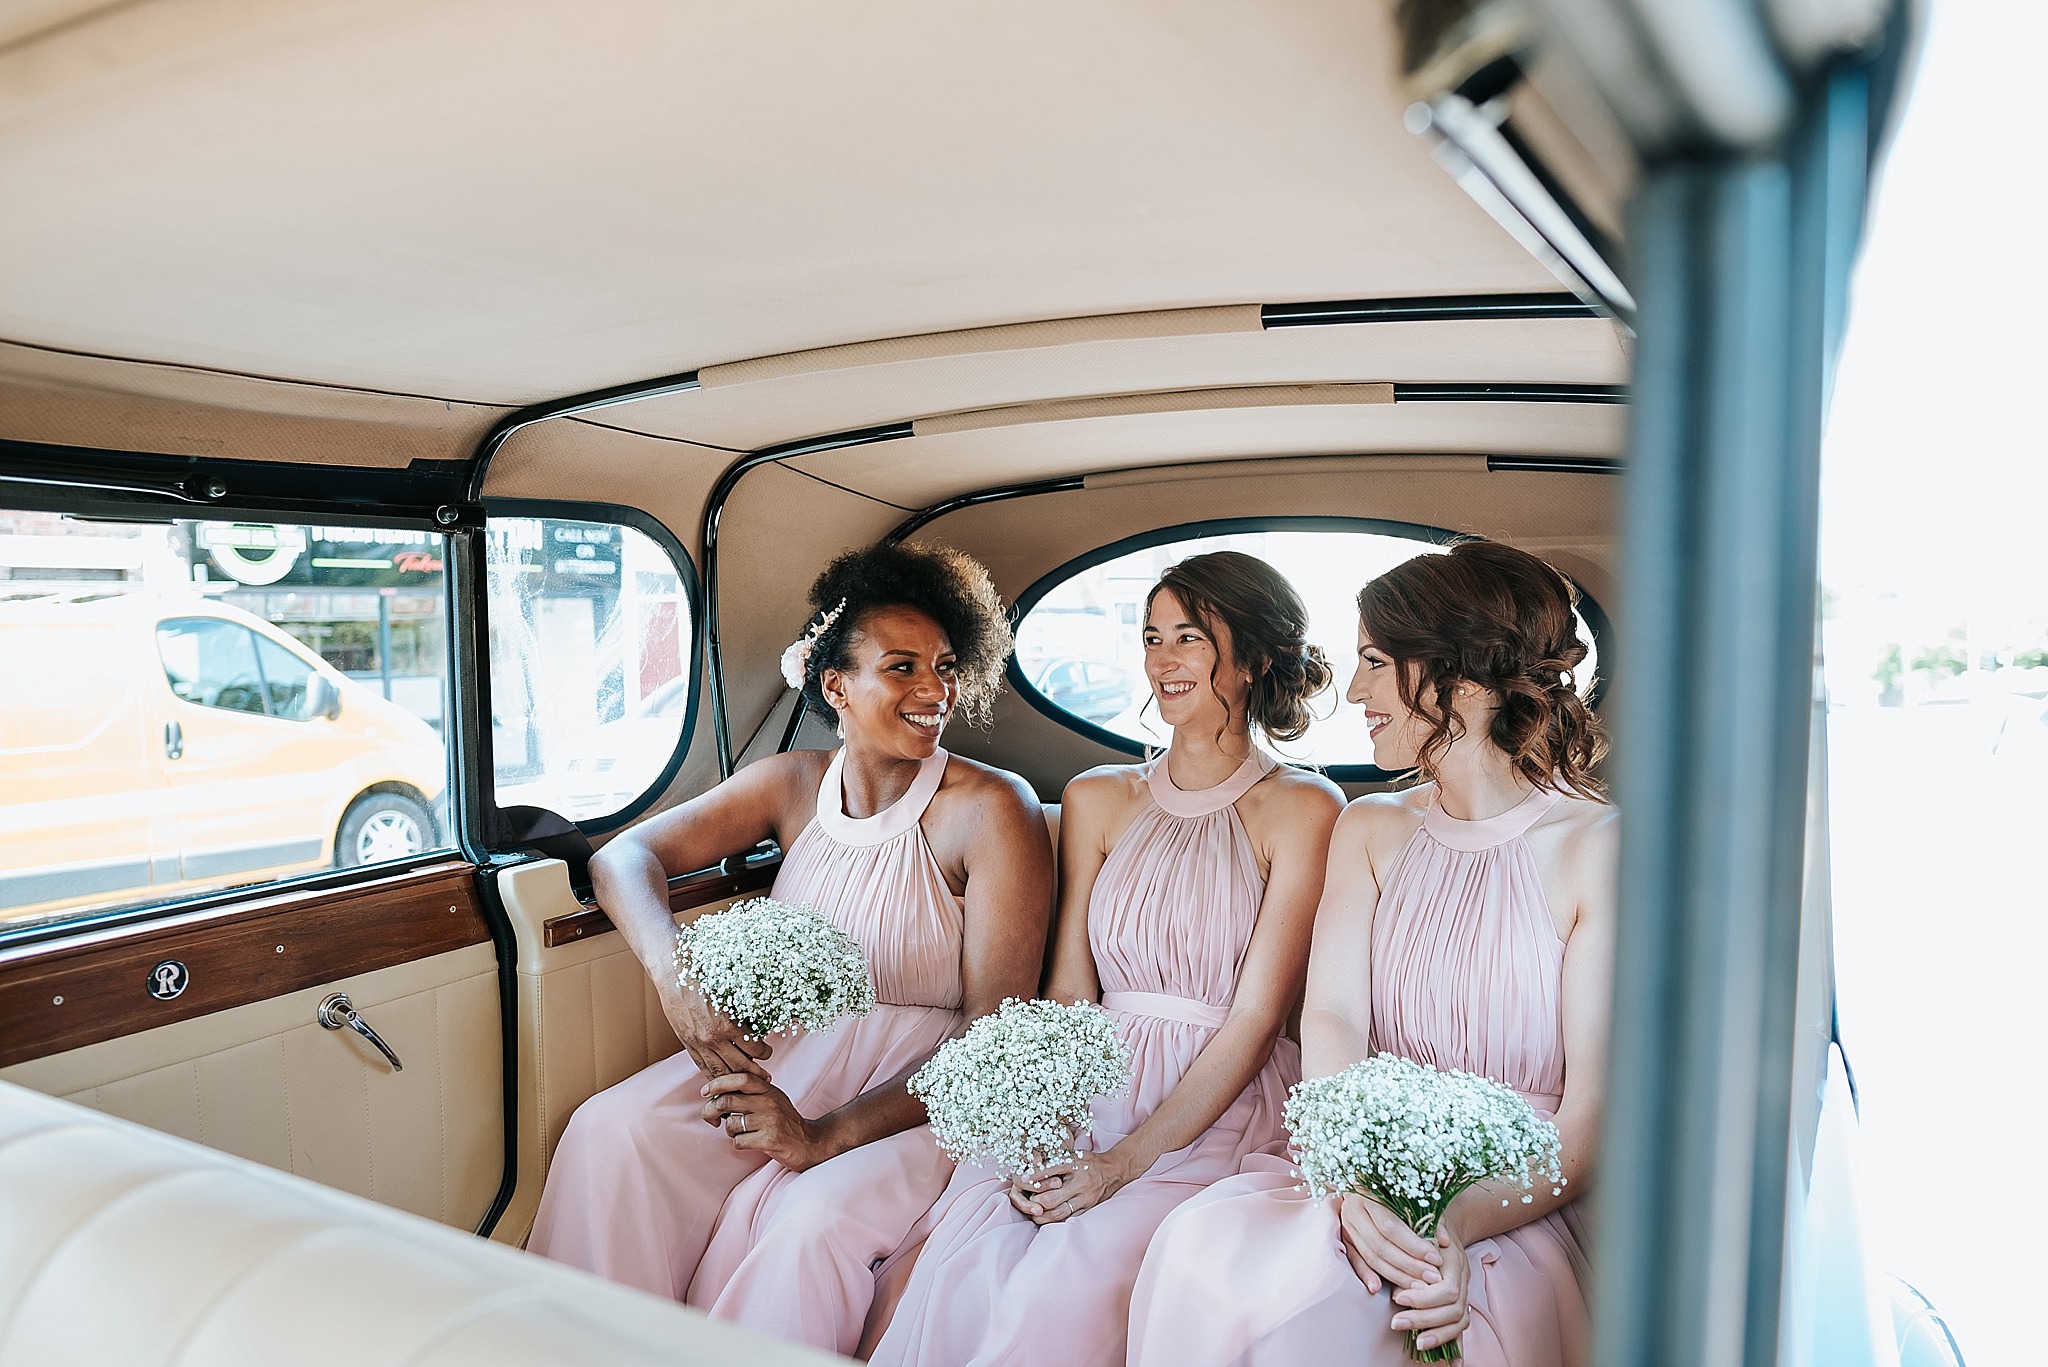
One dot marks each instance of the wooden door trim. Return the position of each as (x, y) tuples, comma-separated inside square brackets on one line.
[(66, 994), (696, 890)]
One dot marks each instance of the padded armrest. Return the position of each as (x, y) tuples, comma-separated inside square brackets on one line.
[(119, 1244)]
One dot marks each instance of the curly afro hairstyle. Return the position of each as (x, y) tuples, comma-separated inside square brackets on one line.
[(946, 585), (1501, 618)]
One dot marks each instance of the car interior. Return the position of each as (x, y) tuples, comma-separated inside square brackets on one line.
[(767, 283)]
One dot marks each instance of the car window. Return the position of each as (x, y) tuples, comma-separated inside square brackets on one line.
[(286, 680), (1080, 634), (212, 663), (592, 675), (161, 738)]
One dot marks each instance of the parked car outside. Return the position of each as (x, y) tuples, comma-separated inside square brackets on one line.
[(186, 744), (1093, 690)]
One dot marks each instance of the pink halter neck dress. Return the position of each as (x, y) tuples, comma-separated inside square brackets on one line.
[(1169, 920), (1466, 973), (644, 1192)]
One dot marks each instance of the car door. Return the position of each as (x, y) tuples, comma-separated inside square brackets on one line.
[(211, 1008)]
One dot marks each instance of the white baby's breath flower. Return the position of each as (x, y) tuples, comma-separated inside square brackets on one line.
[(1013, 1091), (771, 966), (1412, 1137)]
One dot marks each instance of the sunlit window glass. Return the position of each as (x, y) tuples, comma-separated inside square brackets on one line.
[(1080, 646), (187, 706), (590, 657)]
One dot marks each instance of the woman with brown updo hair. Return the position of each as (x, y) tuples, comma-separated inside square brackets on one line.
[(1187, 888), (1467, 923)]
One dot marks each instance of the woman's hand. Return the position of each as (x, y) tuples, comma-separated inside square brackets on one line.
[(1440, 1311), (1383, 1249), (758, 1117), (715, 1044), (1064, 1190)]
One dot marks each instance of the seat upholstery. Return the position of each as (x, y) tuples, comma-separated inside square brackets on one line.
[(588, 1017), (119, 1244)]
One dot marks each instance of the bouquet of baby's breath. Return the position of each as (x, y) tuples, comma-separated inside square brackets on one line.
[(771, 967), (1412, 1138), (1014, 1090)]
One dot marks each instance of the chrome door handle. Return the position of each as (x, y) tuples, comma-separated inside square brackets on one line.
[(174, 740), (336, 1012)]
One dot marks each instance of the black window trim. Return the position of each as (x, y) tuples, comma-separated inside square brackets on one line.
[(693, 594), (67, 483), (1595, 616)]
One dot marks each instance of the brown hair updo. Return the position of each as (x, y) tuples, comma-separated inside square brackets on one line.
[(1501, 618), (1268, 633), (946, 585)]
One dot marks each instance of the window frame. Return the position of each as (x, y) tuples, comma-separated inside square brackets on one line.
[(690, 583), (1595, 617), (95, 501)]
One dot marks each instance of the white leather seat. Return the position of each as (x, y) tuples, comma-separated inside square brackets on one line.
[(121, 1245)]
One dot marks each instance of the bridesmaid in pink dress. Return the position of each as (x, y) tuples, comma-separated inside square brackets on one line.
[(1466, 923), (1188, 885), (765, 1180)]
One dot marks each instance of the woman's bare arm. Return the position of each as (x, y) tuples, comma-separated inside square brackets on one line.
[(630, 879), (1336, 1016), (1092, 805)]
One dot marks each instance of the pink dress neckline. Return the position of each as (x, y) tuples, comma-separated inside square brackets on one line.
[(885, 825), (1487, 832), (1185, 802)]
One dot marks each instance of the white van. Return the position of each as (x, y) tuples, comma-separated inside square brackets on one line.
[(187, 744)]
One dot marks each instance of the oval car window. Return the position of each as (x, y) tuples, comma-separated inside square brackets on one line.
[(1080, 646)]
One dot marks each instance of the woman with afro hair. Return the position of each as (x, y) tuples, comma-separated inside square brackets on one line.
[(768, 1184)]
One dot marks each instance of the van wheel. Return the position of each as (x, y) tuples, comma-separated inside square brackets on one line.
[(382, 826)]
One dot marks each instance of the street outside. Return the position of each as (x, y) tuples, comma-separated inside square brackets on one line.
[(1941, 931)]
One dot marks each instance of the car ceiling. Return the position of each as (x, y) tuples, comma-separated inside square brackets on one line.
[(506, 203), (359, 232)]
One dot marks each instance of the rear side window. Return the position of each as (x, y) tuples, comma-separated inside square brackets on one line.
[(593, 670), (187, 706), (1080, 650)]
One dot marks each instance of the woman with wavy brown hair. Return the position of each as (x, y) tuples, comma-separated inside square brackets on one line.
[(1466, 923), (1187, 885)]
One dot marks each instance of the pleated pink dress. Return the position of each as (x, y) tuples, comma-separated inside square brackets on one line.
[(1466, 973), (644, 1192), (1169, 920)]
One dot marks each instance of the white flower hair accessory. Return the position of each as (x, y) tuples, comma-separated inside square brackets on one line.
[(796, 660)]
